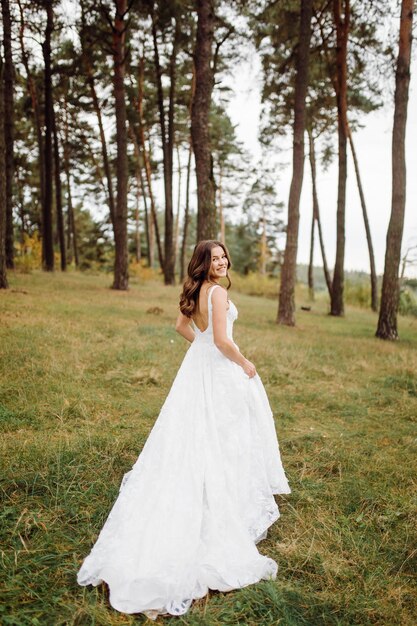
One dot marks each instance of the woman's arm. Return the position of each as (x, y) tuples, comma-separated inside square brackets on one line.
[(222, 341), (182, 326)]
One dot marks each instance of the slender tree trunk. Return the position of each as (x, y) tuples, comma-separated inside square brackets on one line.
[(167, 137), (204, 81), (47, 234), (153, 223), (316, 211), (342, 34), (21, 204), (187, 186), (140, 141), (374, 280), (286, 309), (387, 322), (8, 128), (177, 217), (137, 217), (311, 260), (220, 204), (97, 109), (104, 152), (58, 196), (3, 210), (148, 217), (121, 262), (186, 213), (263, 244), (71, 220), (31, 86)]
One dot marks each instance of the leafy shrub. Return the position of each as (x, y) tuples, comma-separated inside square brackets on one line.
[(254, 284), (358, 293), (29, 254), (408, 302)]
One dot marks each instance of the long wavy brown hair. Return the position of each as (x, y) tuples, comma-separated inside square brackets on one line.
[(198, 272)]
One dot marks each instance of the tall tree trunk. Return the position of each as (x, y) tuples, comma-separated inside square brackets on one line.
[(137, 217), (387, 322), (221, 209), (167, 136), (286, 309), (47, 235), (121, 262), (316, 210), (148, 217), (374, 280), (72, 248), (103, 142), (58, 196), (31, 86), (311, 260), (264, 247), (153, 223), (72, 229), (342, 34), (186, 213), (177, 217), (8, 128), (204, 81), (97, 109), (140, 141), (3, 215), (187, 185)]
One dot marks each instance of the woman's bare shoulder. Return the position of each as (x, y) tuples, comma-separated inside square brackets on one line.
[(219, 294)]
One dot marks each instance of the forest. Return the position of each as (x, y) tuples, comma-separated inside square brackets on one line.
[(117, 150)]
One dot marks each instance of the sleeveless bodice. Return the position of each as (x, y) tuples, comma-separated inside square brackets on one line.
[(207, 335)]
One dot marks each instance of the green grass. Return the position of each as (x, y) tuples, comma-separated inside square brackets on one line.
[(84, 372)]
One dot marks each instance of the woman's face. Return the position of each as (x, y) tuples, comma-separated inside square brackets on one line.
[(219, 263)]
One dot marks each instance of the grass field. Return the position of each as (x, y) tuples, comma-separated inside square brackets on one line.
[(84, 372)]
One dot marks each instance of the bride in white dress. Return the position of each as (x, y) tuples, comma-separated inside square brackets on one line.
[(200, 495)]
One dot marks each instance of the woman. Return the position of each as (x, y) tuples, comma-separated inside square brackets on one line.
[(200, 495)]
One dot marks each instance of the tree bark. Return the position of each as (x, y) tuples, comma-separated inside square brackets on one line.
[(186, 214), (58, 196), (316, 210), (97, 109), (31, 86), (387, 322), (167, 137), (221, 208), (3, 215), (374, 280), (8, 128), (153, 222), (47, 235), (342, 33), (264, 247), (148, 218), (286, 309), (311, 259), (72, 229), (177, 217), (200, 132), (121, 262)]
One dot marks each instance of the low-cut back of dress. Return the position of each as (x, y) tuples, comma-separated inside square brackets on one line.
[(200, 495)]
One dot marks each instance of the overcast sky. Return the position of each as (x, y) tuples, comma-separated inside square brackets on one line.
[(373, 147)]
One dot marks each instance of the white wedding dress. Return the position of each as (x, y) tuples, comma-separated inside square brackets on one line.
[(200, 495)]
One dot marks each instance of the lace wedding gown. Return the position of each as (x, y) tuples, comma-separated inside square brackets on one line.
[(200, 495)]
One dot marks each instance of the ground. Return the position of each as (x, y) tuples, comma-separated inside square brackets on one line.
[(84, 372)]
